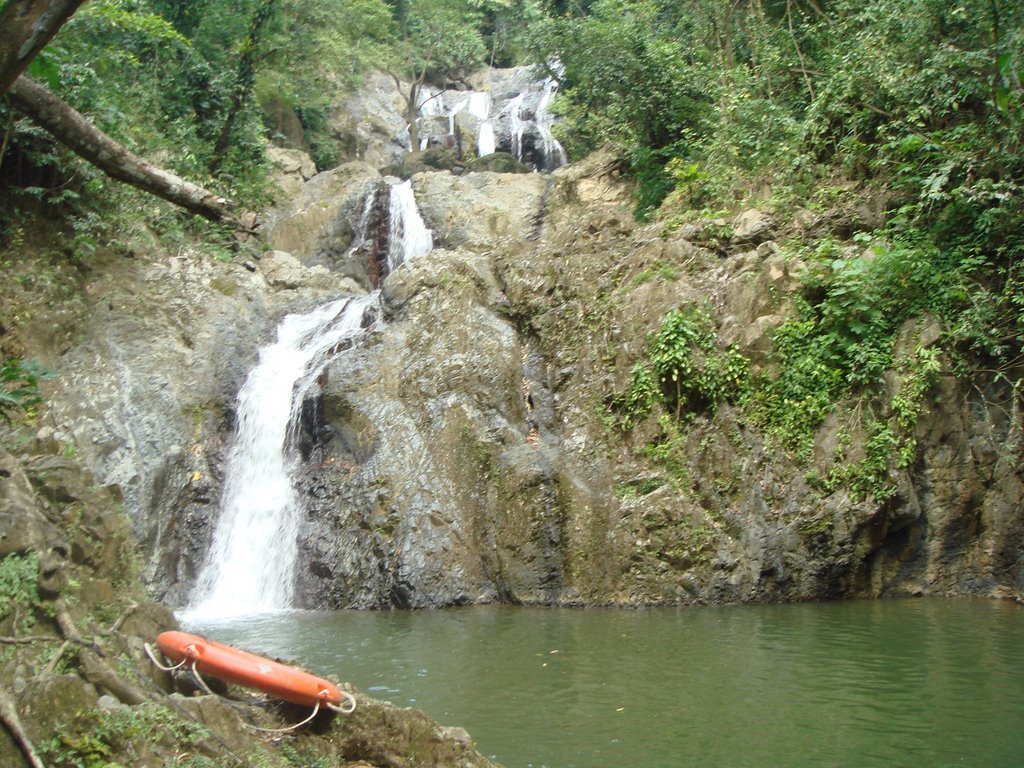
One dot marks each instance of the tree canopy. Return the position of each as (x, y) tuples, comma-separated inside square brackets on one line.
[(703, 101)]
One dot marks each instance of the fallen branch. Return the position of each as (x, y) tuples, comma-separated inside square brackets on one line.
[(28, 640), (77, 133), (9, 714), (132, 605), (95, 669)]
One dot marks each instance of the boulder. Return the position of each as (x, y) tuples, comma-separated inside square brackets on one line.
[(752, 226)]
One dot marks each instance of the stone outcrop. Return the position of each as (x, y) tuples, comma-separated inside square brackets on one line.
[(77, 686), (465, 451), (465, 460)]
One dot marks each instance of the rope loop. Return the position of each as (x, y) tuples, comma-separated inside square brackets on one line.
[(152, 657), (347, 708), (316, 708), (199, 678)]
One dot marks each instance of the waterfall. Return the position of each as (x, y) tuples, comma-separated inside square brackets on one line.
[(480, 108), (430, 104), (451, 115), (518, 124), (251, 564), (554, 154), (485, 141), (514, 116), (408, 236)]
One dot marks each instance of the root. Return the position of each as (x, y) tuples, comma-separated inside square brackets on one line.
[(9, 715)]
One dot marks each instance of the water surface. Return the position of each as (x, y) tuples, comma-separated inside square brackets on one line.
[(882, 684)]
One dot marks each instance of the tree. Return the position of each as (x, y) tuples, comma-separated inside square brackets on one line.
[(28, 25), (245, 77), (75, 131), (32, 25), (440, 40)]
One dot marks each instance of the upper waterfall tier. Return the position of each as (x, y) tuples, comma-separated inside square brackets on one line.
[(510, 113)]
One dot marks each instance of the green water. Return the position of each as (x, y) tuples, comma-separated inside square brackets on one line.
[(922, 683)]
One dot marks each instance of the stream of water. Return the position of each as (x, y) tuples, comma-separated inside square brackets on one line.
[(915, 683), (250, 566)]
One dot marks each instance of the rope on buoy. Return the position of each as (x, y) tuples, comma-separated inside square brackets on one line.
[(152, 657), (316, 708), (192, 654), (199, 678), (343, 709)]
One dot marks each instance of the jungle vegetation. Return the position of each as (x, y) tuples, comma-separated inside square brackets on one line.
[(710, 105)]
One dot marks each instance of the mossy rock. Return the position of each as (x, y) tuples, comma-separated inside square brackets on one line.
[(498, 162), (431, 159)]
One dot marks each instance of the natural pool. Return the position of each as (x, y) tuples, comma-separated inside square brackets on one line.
[(925, 683)]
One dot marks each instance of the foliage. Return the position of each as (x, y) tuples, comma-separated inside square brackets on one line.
[(100, 739), (631, 83), (175, 82), (684, 370), (923, 95), (19, 386), (841, 342), (668, 451), (441, 39), (19, 579)]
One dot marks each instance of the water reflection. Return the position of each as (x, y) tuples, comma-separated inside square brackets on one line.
[(895, 683)]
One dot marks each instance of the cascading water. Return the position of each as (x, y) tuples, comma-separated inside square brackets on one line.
[(554, 154), (480, 108), (514, 118), (408, 233), (518, 124), (430, 104), (251, 562), (455, 110), (250, 567)]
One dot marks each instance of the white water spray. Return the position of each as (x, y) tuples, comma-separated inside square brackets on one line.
[(480, 108), (251, 565), (455, 111), (517, 124), (554, 154), (431, 104), (408, 234)]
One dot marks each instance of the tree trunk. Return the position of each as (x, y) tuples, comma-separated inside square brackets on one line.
[(72, 129), (412, 114), (245, 78), (27, 26)]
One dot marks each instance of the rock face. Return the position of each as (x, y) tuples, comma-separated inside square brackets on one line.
[(464, 460), (464, 452)]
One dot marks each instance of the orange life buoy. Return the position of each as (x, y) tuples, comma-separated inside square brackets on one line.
[(235, 666)]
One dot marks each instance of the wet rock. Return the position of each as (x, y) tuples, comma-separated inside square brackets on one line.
[(498, 162), (281, 270), (429, 160), (382, 734), (476, 210), (319, 215)]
